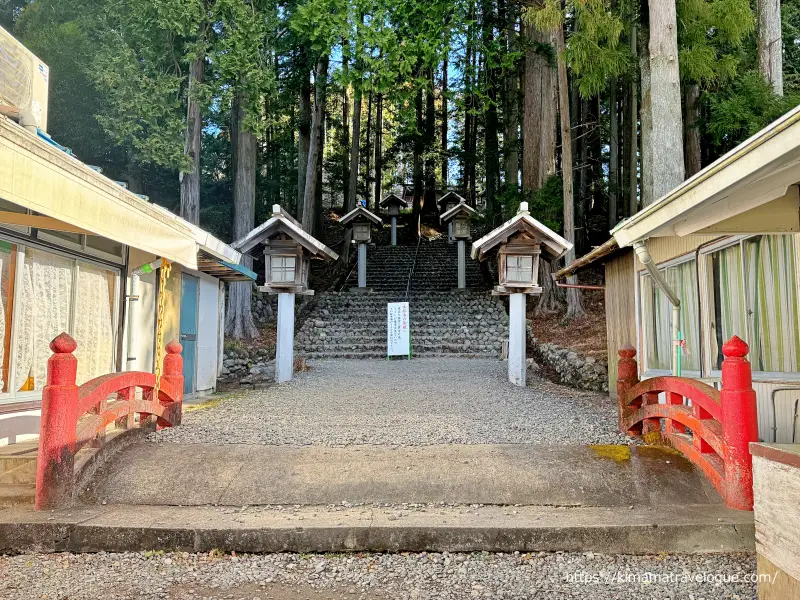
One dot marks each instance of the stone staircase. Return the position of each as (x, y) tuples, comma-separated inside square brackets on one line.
[(436, 269), (18, 473), (444, 321)]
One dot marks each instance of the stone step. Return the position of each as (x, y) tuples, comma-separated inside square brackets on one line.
[(381, 353), (18, 462), (325, 529), (16, 494)]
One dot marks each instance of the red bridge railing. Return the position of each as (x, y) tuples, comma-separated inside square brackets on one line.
[(75, 417), (714, 432)]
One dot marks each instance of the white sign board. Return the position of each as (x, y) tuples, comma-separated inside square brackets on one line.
[(398, 333)]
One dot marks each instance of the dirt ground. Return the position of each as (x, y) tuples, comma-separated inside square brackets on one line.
[(587, 335)]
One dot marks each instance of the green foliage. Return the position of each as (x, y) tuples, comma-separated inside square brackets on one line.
[(545, 204), (594, 52), (743, 108), (791, 45), (710, 36)]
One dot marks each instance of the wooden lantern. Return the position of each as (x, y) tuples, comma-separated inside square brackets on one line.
[(518, 264), (361, 220), (394, 204), (458, 218), (362, 232), (461, 228), (519, 244), (288, 251)]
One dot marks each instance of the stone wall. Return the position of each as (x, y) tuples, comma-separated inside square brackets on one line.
[(253, 366), (574, 370)]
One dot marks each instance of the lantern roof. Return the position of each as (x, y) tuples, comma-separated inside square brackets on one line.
[(394, 199), (283, 222), (360, 211), (522, 223), (462, 208), (450, 197)]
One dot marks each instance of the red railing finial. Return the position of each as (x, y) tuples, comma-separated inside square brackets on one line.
[(739, 423), (56, 459), (627, 377), (63, 344), (735, 347)]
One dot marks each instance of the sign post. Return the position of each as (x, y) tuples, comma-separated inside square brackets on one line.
[(398, 330)]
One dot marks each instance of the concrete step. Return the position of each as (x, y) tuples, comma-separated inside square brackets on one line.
[(18, 463), (253, 498), (17, 494), (312, 529)]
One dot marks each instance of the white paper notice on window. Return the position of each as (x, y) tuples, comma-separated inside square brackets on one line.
[(398, 333)]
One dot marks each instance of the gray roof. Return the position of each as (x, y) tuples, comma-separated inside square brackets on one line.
[(360, 211), (283, 222), (461, 207), (393, 199), (554, 245)]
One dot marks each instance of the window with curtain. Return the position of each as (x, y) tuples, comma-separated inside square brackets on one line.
[(45, 311), (94, 321), (727, 304), (771, 276), (657, 317), (60, 294), (8, 263)]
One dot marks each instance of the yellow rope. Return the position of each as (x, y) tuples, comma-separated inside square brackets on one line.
[(166, 268)]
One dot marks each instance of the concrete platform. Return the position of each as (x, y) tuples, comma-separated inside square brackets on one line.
[(684, 529), (238, 475)]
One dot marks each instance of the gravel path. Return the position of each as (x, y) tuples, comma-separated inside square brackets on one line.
[(376, 577), (425, 401)]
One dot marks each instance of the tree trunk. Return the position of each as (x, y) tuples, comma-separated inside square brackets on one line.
[(646, 116), (309, 200), (667, 137), (345, 146), (239, 318), (445, 123), (632, 136), (429, 204), (692, 150), (535, 68), (511, 136), (574, 300), (323, 131), (490, 129), (190, 181), (613, 157), (368, 158), (303, 133), (418, 183), (770, 43), (352, 188), (378, 150)]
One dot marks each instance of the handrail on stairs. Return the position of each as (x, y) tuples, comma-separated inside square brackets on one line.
[(413, 267)]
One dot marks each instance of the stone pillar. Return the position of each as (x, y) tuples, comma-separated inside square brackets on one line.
[(516, 340), (462, 265), (450, 232), (362, 265), (284, 351), (394, 231)]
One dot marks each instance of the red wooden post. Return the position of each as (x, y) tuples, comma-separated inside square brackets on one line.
[(627, 377), (173, 373), (739, 423), (56, 461)]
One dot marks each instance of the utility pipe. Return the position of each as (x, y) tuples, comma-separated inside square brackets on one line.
[(644, 257), (133, 313)]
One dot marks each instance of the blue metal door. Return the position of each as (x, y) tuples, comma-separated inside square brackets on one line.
[(189, 301)]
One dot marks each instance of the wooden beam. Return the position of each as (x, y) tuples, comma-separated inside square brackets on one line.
[(39, 222)]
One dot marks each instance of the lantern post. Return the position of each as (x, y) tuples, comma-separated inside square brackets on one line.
[(518, 245), (288, 252)]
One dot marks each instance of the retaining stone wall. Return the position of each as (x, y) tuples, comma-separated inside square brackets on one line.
[(574, 370)]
